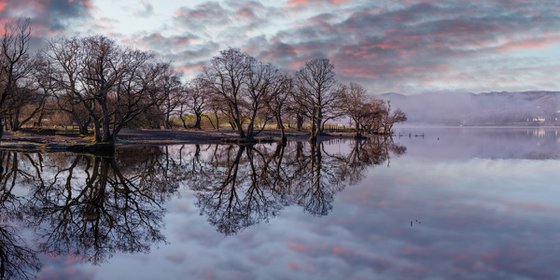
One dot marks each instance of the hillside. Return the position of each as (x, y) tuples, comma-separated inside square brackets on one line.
[(492, 108)]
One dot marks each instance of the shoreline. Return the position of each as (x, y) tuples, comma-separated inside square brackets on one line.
[(30, 140)]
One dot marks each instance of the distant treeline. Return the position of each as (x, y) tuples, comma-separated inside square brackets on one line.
[(101, 87)]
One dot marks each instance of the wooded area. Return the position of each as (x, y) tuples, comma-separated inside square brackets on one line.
[(100, 87)]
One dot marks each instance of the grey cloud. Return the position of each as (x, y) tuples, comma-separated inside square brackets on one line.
[(146, 11), (203, 16), (385, 45), (55, 15)]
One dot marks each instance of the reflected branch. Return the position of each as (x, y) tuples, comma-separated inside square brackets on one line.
[(237, 186), (90, 206)]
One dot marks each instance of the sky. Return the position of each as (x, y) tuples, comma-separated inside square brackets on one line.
[(405, 46)]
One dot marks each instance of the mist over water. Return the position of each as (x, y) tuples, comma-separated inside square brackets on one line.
[(432, 203), (484, 109), (481, 142)]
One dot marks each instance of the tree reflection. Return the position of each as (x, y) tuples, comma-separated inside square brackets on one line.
[(238, 186), (17, 260), (231, 188), (92, 207)]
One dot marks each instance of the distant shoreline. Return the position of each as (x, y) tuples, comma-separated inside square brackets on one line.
[(428, 126)]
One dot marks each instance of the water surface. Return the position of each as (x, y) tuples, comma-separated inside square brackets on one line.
[(437, 203)]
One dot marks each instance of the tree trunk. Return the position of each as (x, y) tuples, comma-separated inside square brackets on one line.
[(358, 131), (83, 129), (210, 120), (299, 122), (319, 129), (96, 130), (39, 121), (168, 124), (280, 125), (185, 126), (197, 123), (251, 126), (168, 117), (1, 128), (240, 129), (15, 125), (313, 134), (107, 137), (217, 120), (299, 150), (237, 120)]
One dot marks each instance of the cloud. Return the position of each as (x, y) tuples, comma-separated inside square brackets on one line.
[(402, 45), (166, 44), (203, 15), (415, 42), (147, 9), (54, 15), (312, 3), (48, 18)]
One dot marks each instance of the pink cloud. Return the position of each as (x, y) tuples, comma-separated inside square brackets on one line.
[(298, 247), (339, 250), (296, 3), (297, 64), (245, 13), (188, 69), (299, 3), (293, 266), (532, 43)]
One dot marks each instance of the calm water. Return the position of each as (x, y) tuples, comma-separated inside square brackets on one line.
[(474, 203)]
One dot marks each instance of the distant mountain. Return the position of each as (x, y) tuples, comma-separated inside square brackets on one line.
[(491, 108)]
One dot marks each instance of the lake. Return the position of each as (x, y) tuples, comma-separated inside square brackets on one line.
[(431, 203)]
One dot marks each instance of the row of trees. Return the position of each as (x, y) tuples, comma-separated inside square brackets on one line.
[(96, 84), (256, 93)]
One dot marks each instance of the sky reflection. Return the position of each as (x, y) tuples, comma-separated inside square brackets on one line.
[(479, 218), (466, 231), (465, 215)]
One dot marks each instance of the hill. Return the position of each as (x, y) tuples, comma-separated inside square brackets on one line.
[(484, 109)]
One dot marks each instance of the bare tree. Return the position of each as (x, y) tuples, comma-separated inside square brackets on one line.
[(170, 85), (59, 73), (356, 107), (114, 84), (243, 85), (23, 107), (318, 92), (280, 99), (225, 76), (391, 118), (195, 100), (216, 109), (260, 81), (376, 111), (15, 63)]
